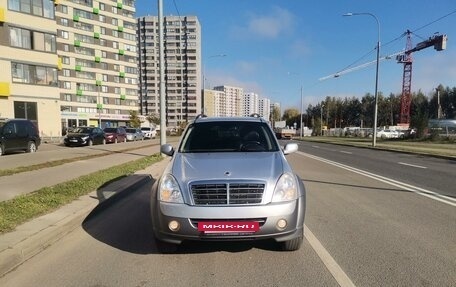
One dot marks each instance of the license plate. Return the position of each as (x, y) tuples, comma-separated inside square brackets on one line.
[(73, 141), (228, 226)]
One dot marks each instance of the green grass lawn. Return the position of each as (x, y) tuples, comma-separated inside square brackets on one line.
[(25, 207)]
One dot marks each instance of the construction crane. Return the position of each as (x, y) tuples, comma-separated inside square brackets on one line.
[(439, 44), (403, 57)]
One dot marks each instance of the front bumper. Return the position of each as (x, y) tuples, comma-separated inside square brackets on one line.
[(267, 215)]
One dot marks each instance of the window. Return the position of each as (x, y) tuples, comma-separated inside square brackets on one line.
[(66, 73), (66, 85), (63, 34), (103, 30), (64, 9), (67, 97), (101, 6), (64, 22), (66, 47), (20, 38), (114, 21), (25, 110), (66, 60), (42, 8), (104, 77)]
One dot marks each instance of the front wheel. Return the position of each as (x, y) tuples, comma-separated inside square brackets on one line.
[(293, 244)]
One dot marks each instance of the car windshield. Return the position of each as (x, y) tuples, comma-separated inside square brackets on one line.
[(131, 131), (232, 136), (83, 130), (110, 130)]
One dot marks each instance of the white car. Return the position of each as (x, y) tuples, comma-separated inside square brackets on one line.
[(387, 134), (149, 132)]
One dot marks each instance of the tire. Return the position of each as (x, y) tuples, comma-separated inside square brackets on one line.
[(293, 244), (125, 140), (90, 143), (2, 150), (31, 147), (115, 140), (104, 141)]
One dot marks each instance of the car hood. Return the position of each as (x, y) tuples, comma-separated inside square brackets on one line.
[(263, 166)]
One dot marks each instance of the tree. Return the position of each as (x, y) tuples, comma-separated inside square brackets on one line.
[(153, 119), (291, 116), (135, 121)]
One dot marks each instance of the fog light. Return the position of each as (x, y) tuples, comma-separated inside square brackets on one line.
[(173, 225), (281, 224)]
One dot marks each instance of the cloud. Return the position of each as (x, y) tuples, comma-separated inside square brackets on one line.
[(270, 26), (299, 49), (431, 71)]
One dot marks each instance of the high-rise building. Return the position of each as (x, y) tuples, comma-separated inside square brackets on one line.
[(98, 78), (249, 104), (264, 108), (28, 80), (182, 67), (231, 106)]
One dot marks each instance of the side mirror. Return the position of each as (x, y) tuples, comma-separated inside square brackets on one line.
[(167, 149), (290, 148)]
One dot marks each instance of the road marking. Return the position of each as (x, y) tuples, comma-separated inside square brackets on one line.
[(347, 152), (331, 264), (412, 165), (417, 190), (315, 146)]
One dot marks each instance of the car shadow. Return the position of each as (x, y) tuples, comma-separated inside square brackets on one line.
[(123, 221)]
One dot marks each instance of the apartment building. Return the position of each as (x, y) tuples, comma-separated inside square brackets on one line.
[(264, 108), (98, 75), (230, 106), (29, 62), (249, 104), (213, 102), (182, 67)]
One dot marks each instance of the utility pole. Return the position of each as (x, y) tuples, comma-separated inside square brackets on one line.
[(161, 46)]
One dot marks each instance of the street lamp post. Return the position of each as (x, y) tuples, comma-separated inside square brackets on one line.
[(300, 124), (374, 138), (321, 120)]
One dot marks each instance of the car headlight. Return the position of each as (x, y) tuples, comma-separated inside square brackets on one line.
[(85, 138), (286, 188), (169, 190)]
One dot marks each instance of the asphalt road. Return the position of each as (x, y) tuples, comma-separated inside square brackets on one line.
[(361, 230)]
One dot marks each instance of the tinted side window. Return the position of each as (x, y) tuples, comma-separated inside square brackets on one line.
[(10, 128), (21, 129)]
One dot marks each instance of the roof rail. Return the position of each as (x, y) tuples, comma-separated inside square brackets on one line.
[(200, 116)]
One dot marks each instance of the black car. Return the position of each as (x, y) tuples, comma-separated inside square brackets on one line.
[(18, 135), (82, 136)]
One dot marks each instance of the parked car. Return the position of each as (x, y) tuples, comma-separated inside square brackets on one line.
[(18, 135), (85, 136), (228, 180), (387, 134), (134, 134), (115, 135), (149, 132)]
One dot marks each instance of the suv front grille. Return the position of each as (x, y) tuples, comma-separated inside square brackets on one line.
[(227, 193)]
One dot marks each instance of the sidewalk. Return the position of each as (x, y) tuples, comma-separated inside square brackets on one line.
[(36, 235)]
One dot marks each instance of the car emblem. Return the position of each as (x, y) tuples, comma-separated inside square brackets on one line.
[(227, 173)]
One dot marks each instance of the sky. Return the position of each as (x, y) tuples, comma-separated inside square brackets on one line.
[(281, 49)]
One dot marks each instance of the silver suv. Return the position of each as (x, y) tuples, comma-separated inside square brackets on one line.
[(229, 180)]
